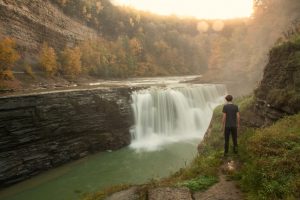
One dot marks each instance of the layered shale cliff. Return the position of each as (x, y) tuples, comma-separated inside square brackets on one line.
[(42, 131), (32, 22)]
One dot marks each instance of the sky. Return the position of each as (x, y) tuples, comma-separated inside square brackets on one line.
[(202, 9)]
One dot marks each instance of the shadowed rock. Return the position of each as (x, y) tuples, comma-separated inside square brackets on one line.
[(170, 194), (42, 131), (130, 194)]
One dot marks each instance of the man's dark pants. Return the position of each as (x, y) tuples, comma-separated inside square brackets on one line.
[(233, 132)]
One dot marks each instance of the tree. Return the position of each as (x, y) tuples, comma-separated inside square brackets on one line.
[(48, 59), (135, 47), (71, 62), (8, 57)]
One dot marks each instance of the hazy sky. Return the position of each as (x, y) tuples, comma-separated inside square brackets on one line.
[(203, 9)]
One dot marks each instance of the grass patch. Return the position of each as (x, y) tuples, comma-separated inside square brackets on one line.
[(271, 159), (282, 97), (105, 192), (245, 102), (200, 183)]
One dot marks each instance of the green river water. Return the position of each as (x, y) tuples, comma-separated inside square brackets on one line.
[(101, 170)]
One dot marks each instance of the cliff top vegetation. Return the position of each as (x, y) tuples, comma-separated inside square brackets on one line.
[(133, 43)]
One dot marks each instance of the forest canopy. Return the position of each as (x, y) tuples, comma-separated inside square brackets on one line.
[(133, 43)]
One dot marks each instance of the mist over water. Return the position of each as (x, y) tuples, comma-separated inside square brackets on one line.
[(173, 114)]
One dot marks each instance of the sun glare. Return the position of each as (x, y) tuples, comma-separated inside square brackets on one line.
[(202, 9)]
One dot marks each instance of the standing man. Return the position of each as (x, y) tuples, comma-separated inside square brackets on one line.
[(230, 124)]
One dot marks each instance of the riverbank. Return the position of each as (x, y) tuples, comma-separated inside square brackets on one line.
[(268, 154)]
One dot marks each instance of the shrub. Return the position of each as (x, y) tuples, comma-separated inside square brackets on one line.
[(28, 71), (48, 59), (8, 57), (71, 62), (7, 75), (95, 56), (200, 183), (284, 97)]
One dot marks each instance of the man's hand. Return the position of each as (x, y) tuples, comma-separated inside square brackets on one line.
[(223, 122), (238, 120)]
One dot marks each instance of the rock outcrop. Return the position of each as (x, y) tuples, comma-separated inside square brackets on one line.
[(42, 131), (279, 91), (129, 194), (168, 193), (32, 22)]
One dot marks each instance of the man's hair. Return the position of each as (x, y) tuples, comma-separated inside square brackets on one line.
[(229, 97)]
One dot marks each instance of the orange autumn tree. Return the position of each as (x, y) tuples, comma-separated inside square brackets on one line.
[(71, 62), (48, 59), (8, 57), (135, 47)]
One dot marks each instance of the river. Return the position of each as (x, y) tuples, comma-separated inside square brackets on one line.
[(102, 170)]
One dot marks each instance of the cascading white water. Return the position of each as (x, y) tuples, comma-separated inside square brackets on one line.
[(166, 115)]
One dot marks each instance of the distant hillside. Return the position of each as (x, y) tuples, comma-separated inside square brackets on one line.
[(33, 22), (118, 42)]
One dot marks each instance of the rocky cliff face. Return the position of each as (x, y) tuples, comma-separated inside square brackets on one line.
[(279, 91), (32, 22), (42, 131)]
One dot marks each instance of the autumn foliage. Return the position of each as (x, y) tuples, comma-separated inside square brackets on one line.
[(68, 63), (71, 62), (132, 43), (48, 59), (8, 57)]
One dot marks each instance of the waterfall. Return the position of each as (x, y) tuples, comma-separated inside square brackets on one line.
[(172, 114)]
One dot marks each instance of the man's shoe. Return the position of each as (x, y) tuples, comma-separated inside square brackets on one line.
[(235, 150)]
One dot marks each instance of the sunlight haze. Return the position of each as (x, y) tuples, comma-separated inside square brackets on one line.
[(202, 9)]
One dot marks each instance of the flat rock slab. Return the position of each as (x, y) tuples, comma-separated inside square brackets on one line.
[(168, 193), (130, 194), (224, 190)]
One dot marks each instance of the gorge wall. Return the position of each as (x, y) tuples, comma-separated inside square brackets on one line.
[(279, 91), (32, 22), (42, 131)]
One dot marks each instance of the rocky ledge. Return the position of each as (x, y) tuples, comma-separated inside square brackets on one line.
[(42, 131), (278, 94)]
